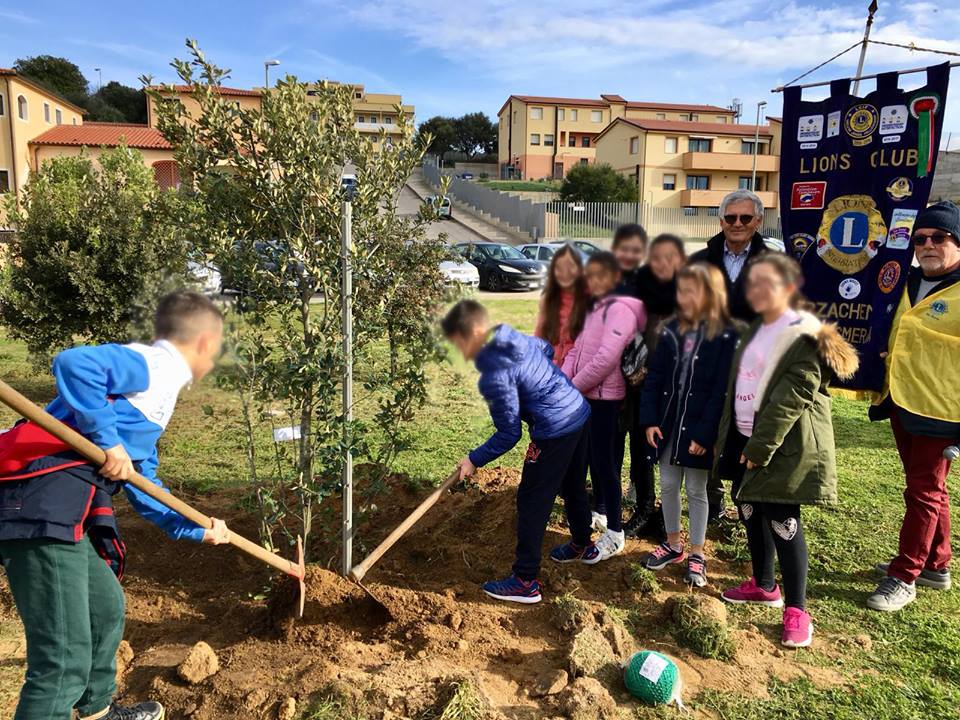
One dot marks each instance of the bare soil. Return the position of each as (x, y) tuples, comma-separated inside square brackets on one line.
[(443, 628)]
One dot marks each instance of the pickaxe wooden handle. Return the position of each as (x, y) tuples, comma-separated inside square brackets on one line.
[(358, 571), (21, 405)]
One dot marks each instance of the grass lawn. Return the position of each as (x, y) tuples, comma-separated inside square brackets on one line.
[(523, 185), (896, 667)]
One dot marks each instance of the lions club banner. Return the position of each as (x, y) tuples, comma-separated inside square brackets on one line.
[(854, 174)]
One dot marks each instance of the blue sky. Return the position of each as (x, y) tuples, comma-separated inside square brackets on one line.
[(465, 55)]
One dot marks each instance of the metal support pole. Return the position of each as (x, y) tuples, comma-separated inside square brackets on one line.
[(863, 48), (346, 243), (756, 146)]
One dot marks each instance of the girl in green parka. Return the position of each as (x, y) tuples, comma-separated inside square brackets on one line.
[(776, 435)]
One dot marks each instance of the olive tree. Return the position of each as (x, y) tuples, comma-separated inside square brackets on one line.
[(264, 192)]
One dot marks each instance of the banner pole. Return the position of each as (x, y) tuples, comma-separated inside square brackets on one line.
[(863, 48)]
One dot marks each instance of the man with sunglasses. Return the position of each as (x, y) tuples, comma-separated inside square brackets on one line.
[(922, 400), (741, 215)]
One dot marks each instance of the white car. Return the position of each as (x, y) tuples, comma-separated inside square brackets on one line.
[(460, 272), (206, 276)]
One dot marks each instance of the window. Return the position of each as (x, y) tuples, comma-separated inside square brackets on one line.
[(585, 141), (2, 108), (388, 119), (743, 183), (573, 115), (314, 116), (584, 161), (561, 114), (534, 138), (670, 145), (22, 109), (685, 116), (596, 116), (358, 95), (689, 211), (74, 119), (373, 118), (4, 181), (669, 181), (573, 140), (536, 113), (59, 116), (746, 147), (361, 118), (699, 145), (722, 119), (634, 145), (694, 117), (698, 182), (661, 116), (46, 112), (548, 140), (713, 211)]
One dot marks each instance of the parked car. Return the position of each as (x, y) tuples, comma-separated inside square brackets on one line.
[(466, 176), (269, 255), (587, 248), (457, 271), (443, 207), (544, 252), (206, 276), (503, 267)]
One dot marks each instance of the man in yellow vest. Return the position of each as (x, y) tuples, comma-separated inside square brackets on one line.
[(922, 401)]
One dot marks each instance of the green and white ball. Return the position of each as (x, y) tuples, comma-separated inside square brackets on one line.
[(653, 678)]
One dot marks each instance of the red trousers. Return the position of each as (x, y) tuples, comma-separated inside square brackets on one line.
[(925, 533)]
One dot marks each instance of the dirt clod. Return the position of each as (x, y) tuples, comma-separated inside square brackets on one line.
[(570, 614), (550, 683), (586, 699), (201, 662), (124, 657), (700, 623), (287, 709), (590, 654)]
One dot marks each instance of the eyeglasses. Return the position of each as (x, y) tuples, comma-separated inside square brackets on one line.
[(744, 219), (936, 238)]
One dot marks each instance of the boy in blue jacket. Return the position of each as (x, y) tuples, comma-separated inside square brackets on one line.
[(59, 543), (521, 383)]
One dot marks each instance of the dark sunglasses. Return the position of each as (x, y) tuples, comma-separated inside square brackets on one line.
[(744, 219), (937, 238)]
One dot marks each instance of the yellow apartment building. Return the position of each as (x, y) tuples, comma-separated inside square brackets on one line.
[(678, 163), (545, 136), (374, 111), (26, 111)]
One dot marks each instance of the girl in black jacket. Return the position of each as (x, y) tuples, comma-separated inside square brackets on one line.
[(680, 409)]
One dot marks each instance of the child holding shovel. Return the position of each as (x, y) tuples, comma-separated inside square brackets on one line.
[(59, 542), (520, 383)]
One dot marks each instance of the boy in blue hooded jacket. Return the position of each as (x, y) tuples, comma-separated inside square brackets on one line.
[(521, 384), (59, 542)]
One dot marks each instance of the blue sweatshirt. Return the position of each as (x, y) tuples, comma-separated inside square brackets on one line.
[(126, 394)]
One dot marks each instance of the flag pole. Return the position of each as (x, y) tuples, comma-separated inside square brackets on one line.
[(863, 48)]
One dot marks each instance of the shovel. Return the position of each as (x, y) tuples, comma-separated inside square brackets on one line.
[(357, 572), (21, 405)]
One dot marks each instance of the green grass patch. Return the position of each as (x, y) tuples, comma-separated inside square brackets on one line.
[(700, 630), (641, 579), (523, 185)]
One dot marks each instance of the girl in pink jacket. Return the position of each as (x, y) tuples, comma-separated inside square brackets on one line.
[(594, 367)]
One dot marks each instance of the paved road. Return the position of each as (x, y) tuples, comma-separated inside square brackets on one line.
[(409, 204)]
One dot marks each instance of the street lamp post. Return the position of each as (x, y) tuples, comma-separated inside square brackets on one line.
[(756, 145), (99, 78), (267, 64)]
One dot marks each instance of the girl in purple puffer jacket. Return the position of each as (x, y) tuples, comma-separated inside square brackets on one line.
[(594, 367)]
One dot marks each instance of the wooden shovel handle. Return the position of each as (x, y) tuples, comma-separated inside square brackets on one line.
[(21, 405), (358, 571)]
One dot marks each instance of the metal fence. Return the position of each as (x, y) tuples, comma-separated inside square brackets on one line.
[(561, 220), (523, 216)]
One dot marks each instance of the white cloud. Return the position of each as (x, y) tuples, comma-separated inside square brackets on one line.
[(16, 16)]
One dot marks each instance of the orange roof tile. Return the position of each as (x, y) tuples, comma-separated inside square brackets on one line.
[(96, 134), (678, 106), (41, 89), (682, 126), (606, 99), (237, 92)]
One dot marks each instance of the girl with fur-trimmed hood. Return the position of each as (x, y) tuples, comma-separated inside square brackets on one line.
[(776, 435)]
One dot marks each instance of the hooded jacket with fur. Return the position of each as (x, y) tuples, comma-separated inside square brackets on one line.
[(792, 443)]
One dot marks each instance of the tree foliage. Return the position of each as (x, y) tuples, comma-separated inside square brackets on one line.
[(265, 203), (114, 102), (442, 135), (472, 135), (92, 252), (57, 74), (597, 183)]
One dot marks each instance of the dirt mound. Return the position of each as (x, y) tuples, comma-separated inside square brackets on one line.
[(441, 633)]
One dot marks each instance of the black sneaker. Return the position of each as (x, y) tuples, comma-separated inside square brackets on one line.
[(650, 526), (662, 556), (716, 513), (636, 521), (696, 571), (143, 711), (934, 579)]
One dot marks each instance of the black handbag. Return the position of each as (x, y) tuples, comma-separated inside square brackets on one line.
[(633, 362)]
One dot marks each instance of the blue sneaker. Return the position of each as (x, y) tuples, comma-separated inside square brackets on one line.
[(571, 552), (513, 589)]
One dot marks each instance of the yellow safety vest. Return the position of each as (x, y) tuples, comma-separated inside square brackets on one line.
[(924, 355)]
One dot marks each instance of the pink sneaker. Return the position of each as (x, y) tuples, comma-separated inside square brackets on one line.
[(797, 628), (750, 592)]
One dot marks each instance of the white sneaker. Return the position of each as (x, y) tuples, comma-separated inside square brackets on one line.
[(609, 544), (599, 522)]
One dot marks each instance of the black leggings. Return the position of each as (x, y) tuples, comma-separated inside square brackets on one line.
[(604, 469), (776, 528)]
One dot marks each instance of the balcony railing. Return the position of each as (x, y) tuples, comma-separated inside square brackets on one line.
[(377, 127), (712, 198), (733, 162)]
